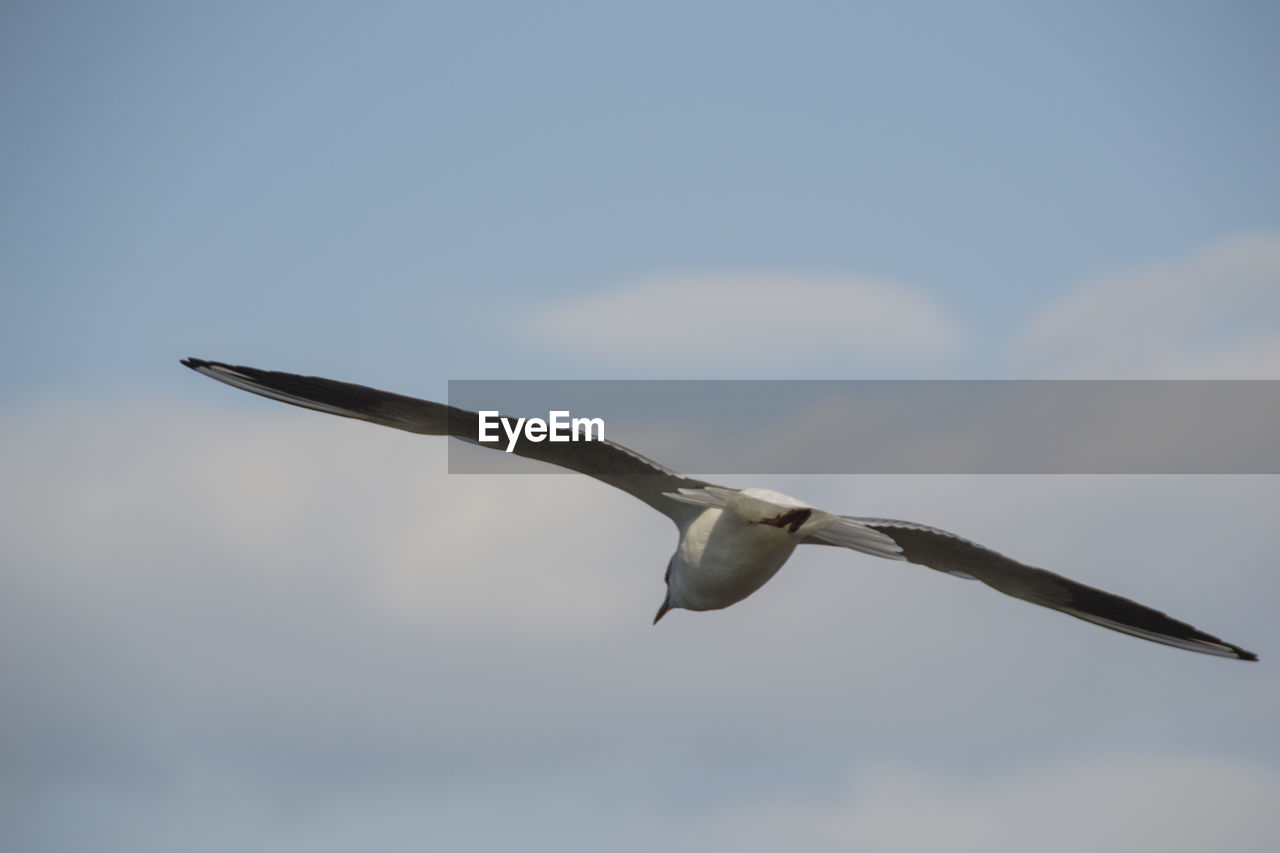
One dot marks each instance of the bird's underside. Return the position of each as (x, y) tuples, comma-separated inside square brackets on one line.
[(684, 498)]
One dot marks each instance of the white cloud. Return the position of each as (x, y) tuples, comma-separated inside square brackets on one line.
[(312, 611), (751, 321), (1215, 315), (1158, 804)]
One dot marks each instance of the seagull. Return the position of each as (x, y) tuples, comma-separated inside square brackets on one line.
[(732, 541)]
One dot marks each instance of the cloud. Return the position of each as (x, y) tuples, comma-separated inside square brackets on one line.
[(1151, 803), (290, 627), (751, 321), (1215, 315)]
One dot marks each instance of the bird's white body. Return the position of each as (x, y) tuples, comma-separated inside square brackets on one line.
[(725, 554), (722, 558)]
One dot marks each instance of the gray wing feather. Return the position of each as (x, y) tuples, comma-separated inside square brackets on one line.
[(947, 552), (604, 460)]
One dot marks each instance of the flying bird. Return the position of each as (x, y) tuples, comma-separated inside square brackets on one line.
[(732, 541)]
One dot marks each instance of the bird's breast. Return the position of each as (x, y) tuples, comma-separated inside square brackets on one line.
[(722, 559)]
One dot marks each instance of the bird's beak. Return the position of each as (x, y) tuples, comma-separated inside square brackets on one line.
[(662, 611)]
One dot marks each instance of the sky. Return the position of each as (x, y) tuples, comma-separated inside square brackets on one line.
[(226, 623)]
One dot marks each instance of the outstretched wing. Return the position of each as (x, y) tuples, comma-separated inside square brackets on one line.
[(946, 552), (604, 460)]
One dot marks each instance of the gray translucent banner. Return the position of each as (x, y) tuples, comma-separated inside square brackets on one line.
[(886, 427)]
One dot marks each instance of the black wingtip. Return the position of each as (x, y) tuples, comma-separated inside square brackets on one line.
[(1243, 655), (195, 363)]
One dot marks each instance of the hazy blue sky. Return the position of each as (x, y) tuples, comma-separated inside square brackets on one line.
[(225, 624)]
